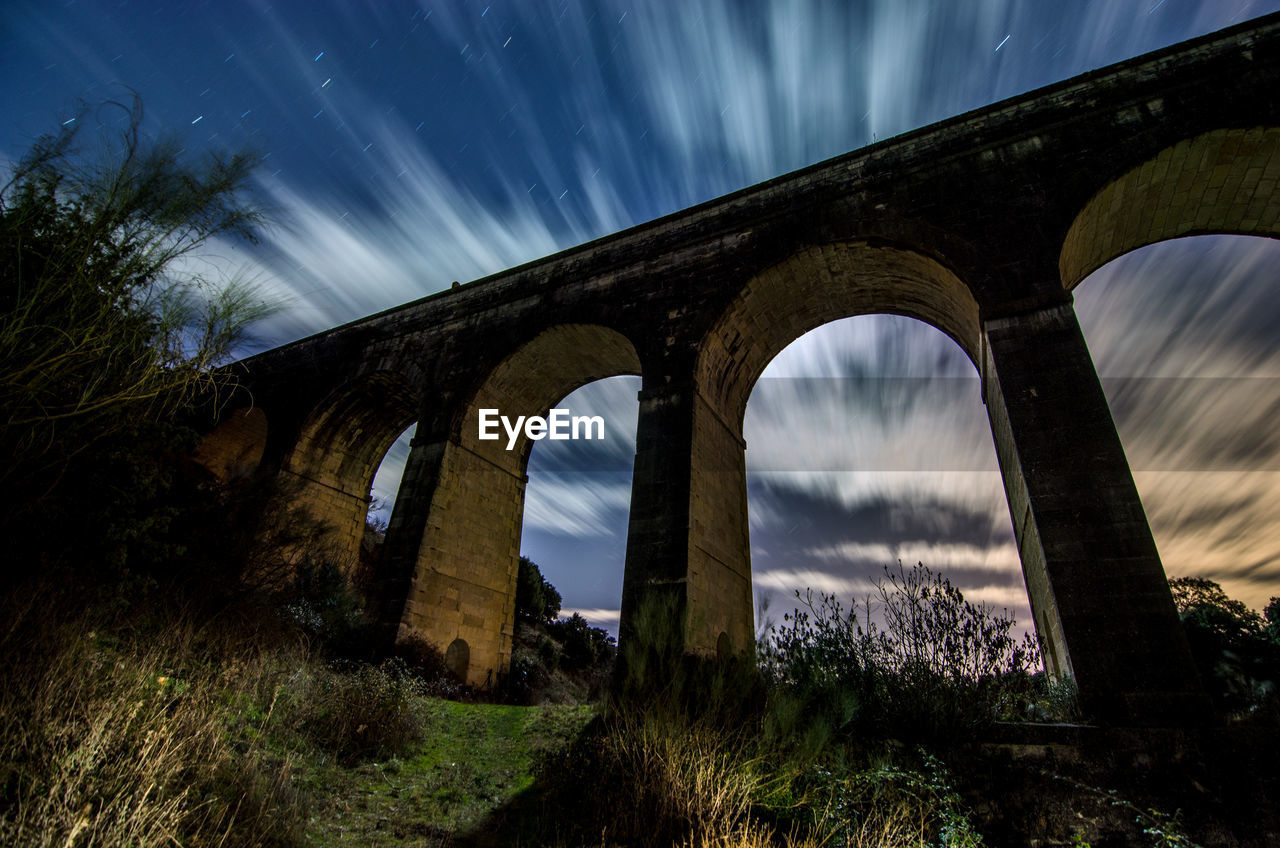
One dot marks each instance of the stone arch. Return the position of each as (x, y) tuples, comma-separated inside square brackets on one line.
[(813, 287), (538, 374), (338, 451), (465, 577), (1220, 182), (235, 447)]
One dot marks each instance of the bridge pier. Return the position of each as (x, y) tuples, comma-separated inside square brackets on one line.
[(405, 529), (340, 511), (688, 567), (448, 570), (1098, 592)]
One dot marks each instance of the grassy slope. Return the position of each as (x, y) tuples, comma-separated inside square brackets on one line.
[(128, 738), (475, 759)]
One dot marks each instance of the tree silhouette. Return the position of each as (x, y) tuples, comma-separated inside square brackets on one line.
[(108, 332)]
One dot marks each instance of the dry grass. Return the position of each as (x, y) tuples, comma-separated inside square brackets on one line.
[(686, 773), (146, 730), (195, 736), (752, 836), (365, 710), (113, 739), (662, 779)]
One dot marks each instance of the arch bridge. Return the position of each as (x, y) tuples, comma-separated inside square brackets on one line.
[(980, 225)]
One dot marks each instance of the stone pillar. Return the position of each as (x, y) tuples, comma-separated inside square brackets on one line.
[(408, 523), (687, 585), (1098, 592), (448, 573), (721, 617), (655, 577)]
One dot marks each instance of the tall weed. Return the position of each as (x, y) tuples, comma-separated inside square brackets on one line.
[(660, 779), (111, 739), (361, 710)]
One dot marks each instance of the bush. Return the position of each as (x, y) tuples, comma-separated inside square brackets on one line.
[(892, 804), (561, 662), (536, 600), (937, 667), (582, 644), (324, 605), (553, 660), (360, 710), (106, 339)]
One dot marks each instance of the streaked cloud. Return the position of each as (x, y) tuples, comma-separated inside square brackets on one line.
[(820, 582), (606, 619), (578, 504), (1184, 336), (940, 555)]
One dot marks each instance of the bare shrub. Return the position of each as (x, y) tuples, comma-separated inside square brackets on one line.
[(935, 667), (361, 710)]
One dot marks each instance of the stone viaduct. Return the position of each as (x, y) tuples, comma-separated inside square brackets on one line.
[(980, 225)]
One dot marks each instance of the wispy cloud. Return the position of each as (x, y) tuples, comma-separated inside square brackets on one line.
[(606, 619), (787, 581), (578, 504), (1183, 334), (631, 113), (939, 555)]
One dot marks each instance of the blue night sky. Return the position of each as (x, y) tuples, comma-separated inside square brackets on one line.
[(407, 145)]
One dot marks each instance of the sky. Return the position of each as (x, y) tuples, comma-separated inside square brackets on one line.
[(407, 145)]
